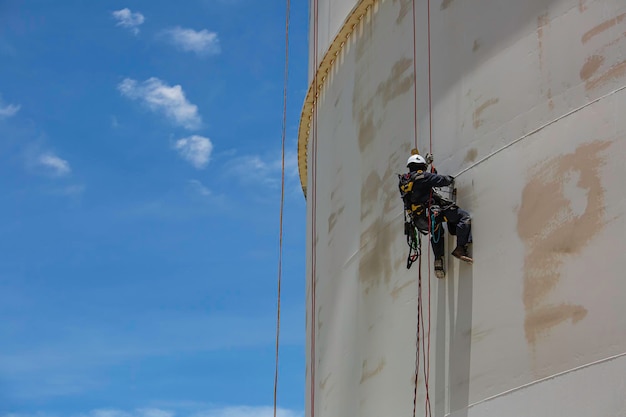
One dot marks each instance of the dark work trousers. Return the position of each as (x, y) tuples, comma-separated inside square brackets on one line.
[(459, 224)]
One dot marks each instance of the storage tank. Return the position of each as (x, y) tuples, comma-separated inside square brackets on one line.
[(522, 101)]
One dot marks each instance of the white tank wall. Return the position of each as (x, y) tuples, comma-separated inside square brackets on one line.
[(331, 15), (530, 328)]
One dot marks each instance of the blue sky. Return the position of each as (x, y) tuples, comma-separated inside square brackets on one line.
[(140, 178)]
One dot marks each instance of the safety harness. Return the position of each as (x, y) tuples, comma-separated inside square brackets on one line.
[(420, 217)]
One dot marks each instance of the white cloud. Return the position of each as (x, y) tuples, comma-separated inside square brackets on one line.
[(59, 167), (201, 42), (265, 170), (198, 187), (8, 110), (233, 411), (244, 411), (195, 149), (128, 19), (159, 96)]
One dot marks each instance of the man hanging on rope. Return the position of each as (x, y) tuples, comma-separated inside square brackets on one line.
[(429, 210)]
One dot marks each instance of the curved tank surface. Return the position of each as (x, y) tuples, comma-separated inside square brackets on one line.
[(525, 103)]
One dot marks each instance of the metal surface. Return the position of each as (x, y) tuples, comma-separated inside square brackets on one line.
[(528, 104)]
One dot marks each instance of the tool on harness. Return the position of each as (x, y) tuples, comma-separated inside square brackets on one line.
[(420, 218), (415, 218), (413, 239)]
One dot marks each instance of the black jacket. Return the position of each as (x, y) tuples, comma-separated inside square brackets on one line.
[(423, 183)]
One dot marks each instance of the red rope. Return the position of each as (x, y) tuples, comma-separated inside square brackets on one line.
[(430, 132), (417, 335), (419, 264), (414, 79), (314, 206), (282, 203)]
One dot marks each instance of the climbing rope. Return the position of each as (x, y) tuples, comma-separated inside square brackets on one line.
[(423, 342), (430, 134), (282, 204), (314, 205)]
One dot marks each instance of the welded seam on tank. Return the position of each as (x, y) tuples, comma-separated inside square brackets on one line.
[(540, 128), (560, 374), (334, 49)]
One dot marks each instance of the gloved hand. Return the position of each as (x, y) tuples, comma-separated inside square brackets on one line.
[(450, 178), (429, 159)]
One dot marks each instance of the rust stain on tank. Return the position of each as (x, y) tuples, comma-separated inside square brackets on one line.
[(552, 226), (375, 263), (602, 27), (445, 4), (324, 381), (405, 7), (395, 293), (370, 191), (471, 155), (543, 319), (367, 374), (332, 219), (377, 260), (367, 130), (542, 21), (591, 65), (364, 40), (616, 71), (581, 6), (396, 84), (476, 46), (399, 264), (477, 113)]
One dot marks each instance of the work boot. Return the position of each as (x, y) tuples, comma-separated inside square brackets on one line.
[(440, 272), (460, 252)]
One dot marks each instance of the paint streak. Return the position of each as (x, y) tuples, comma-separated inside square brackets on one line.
[(319, 320), (367, 130), (395, 293), (337, 100), (396, 84), (379, 195), (377, 260), (550, 101), (542, 21), (476, 45), (400, 262), (591, 65), (477, 335), (325, 381), (602, 27), (616, 71), (332, 219), (364, 40), (405, 7), (471, 155), (367, 374), (477, 113), (553, 225), (540, 321), (445, 4)]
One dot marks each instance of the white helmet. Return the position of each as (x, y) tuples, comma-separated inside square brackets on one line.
[(416, 159)]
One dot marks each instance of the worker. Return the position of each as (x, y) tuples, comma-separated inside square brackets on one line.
[(429, 210)]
